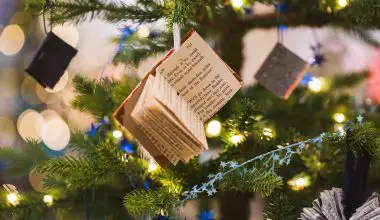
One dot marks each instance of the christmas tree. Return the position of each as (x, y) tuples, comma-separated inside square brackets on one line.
[(286, 151)]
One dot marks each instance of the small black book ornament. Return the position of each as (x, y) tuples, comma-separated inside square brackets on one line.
[(51, 60)]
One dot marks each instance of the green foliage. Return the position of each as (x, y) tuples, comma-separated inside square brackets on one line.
[(61, 11), (150, 203), (278, 207), (363, 137), (243, 120), (21, 162), (136, 49), (255, 180), (100, 98)]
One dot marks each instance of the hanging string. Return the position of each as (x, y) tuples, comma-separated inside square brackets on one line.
[(46, 7), (279, 17), (176, 27), (176, 36)]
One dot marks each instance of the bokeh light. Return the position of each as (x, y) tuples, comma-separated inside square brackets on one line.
[(268, 132), (55, 134), (315, 85), (299, 182), (13, 198), (143, 31), (339, 117), (11, 40), (48, 200), (78, 120), (29, 125), (237, 3), (7, 132), (342, 3), (117, 134), (28, 91), (62, 83), (152, 166), (68, 33), (213, 128), (236, 139)]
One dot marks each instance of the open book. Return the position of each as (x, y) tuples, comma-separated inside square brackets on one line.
[(329, 206), (167, 110)]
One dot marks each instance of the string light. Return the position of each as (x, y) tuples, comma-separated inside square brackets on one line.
[(13, 199), (268, 132), (299, 183), (236, 139), (117, 134), (339, 117), (152, 167), (213, 128), (315, 85), (48, 199), (237, 3), (342, 3)]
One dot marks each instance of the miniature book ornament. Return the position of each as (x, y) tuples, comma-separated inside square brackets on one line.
[(51, 60), (329, 206), (168, 108), (281, 71)]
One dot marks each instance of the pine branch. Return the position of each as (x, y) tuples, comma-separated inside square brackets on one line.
[(278, 207), (21, 162), (100, 98), (60, 11), (258, 181), (363, 137), (136, 49), (150, 203)]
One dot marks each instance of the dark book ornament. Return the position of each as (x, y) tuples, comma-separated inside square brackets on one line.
[(51, 60), (281, 71)]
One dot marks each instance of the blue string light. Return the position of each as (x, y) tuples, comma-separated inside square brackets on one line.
[(306, 79), (126, 32), (95, 127), (206, 215), (127, 147)]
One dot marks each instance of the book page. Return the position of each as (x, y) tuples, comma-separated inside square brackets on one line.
[(179, 108), (200, 76), (140, 117)]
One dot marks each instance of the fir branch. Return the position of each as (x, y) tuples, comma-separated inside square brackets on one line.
[(363, 137), (150, 203), (255, 180), (61, 11), (278, 207), (100, 98), (135, 49), (23, 161)]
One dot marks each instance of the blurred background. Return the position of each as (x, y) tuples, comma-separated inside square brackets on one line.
[(28, 111)]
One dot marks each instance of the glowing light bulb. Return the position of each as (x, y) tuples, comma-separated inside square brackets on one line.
[(268, 132), (152, 167), (315, 85), (237, 3), (342, 3), (117, 134), (236, 139), (341, 130), (339, 117), (13, 199), (300, 182), (48, 199), (143, 31), (213, 128)]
